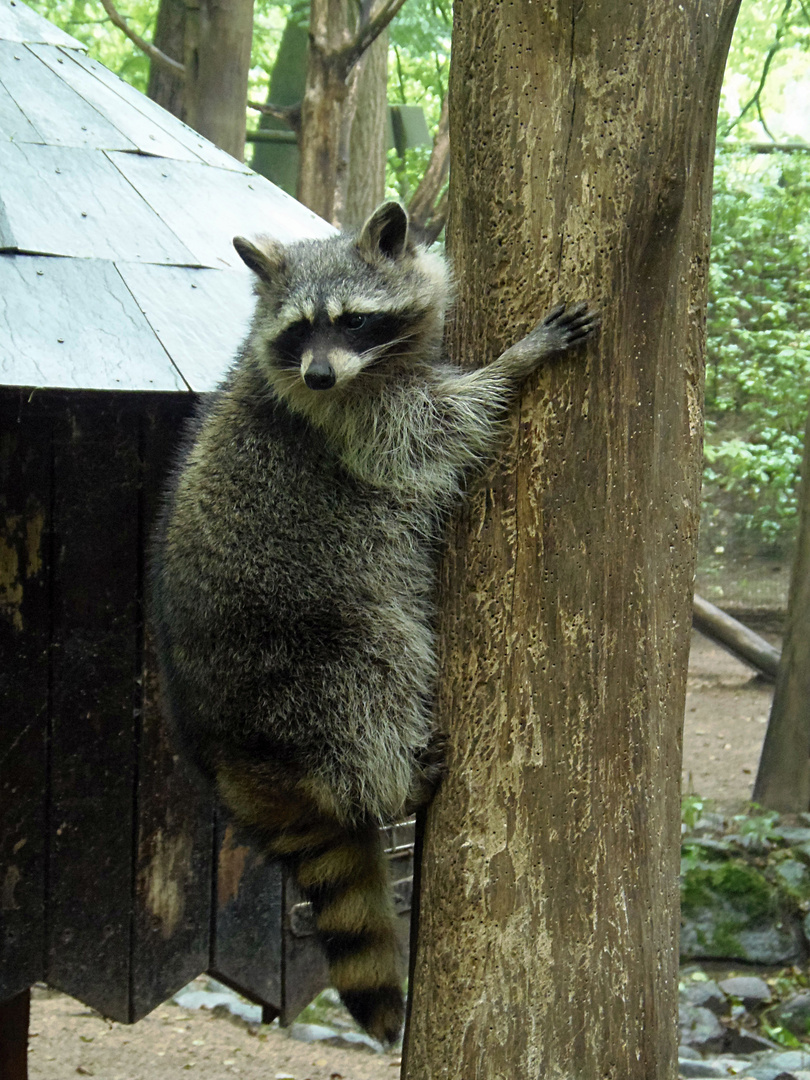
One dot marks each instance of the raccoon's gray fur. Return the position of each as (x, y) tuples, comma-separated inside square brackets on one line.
[(293, 571)]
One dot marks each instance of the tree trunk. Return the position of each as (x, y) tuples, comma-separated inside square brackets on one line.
[(219, 34), (365, 186), (783, 777), (581, 150), (279, 161), (166, 87), (324, 121)]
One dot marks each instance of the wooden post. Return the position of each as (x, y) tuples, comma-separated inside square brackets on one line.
[(14, 1016)]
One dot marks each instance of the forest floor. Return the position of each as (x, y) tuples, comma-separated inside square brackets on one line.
[(727, 711)]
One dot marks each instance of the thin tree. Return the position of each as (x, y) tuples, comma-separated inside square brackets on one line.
[(783, 777), (207, 86), (582, 140)]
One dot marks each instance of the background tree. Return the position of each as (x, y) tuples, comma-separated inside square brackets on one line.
[(783, 777), (548, 935)]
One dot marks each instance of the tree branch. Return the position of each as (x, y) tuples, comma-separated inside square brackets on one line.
[(151, 50), (771, 53), (289, 114), (370, 29)]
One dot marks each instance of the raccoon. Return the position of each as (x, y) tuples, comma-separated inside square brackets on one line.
[(293, 570)]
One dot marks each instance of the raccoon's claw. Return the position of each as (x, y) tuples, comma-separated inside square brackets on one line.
[(565, 327)]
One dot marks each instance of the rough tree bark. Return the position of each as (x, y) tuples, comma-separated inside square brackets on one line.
[(366, 184), (337, 41), (582, 139), (218, 38), (783, 777), (207, 85), (167, 87)]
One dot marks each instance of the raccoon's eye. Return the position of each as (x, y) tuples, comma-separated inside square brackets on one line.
[(353, 320)]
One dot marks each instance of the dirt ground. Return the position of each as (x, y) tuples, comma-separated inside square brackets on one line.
[(726, 714)]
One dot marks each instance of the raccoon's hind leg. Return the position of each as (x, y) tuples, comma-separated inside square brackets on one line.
[(342, 870), (430, 768)]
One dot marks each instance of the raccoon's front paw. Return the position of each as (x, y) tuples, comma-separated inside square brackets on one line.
[(566, 327)]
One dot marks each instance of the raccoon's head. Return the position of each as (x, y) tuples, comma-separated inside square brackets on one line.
[(353, 307)]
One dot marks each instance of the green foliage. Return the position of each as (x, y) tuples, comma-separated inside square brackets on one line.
[(692, 810), (87, 21), (758, 343), (418, 74), (782, 1036), (737, 881)]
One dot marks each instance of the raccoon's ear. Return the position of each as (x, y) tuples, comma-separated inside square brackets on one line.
[(385, 233), (267, 261)]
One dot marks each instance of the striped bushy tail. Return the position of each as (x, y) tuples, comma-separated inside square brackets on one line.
[(350, 890), (343, 872)]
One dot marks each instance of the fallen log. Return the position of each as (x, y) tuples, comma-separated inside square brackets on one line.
[(736, 637)]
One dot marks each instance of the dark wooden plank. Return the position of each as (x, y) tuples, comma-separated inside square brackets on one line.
[(175, 813), (73, 323), (246, 950), (14, 1017), (120, 113), (18, 22), (25, 490), (199, 149), (306, 972), (208, 207), (65, 200), (93, 740), (52, 106), (199, 315)]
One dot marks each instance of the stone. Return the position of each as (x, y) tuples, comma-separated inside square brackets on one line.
[(750, 989), (793, 834), (700, 1028), (723, 932), (741, 1041), (699, 1069), (793, 1013), (689, 1053), (794, 877), (789, 1060), (706, 993), (731, 911)]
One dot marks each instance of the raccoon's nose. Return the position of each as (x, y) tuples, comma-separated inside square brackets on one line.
[(320, 375)]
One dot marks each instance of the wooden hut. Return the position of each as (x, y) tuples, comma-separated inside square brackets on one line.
[(121, 298)]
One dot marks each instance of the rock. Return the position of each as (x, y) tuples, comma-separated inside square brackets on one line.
[(793, 834), (321, 1033), (688, 1053), (725, 933), (788, 1060), (753, 843), (700, 1028), (750, 989), (793, 1013), (793, 877), (707, 994), (709, 822), (741, 1041), (767, 1072), (689, 1068), (730, 910)]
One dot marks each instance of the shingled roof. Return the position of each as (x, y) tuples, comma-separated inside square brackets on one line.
[(116, 265)]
